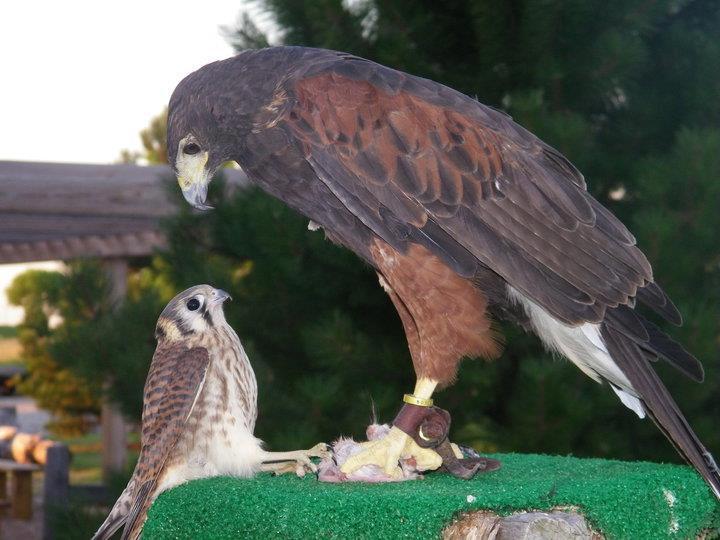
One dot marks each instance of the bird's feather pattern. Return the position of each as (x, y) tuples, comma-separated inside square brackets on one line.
[(174, 381), (659, 404), (388, 144), (415, 161)]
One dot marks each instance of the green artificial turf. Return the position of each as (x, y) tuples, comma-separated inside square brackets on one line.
[(620, 499)]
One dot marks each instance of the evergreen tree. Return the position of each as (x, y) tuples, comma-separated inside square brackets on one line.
[(154, 143), (72, 298)]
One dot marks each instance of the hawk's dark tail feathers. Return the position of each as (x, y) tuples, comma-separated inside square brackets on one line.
[(659, 404)]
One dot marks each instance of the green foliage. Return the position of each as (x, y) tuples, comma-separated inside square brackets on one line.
[(73, 297), (677, 221), (95, 347), (114, 349), (33, 291), (245, 34), (154, 142), (154, 139)]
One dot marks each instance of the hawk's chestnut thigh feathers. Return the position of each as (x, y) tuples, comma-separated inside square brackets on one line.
[(417, 283)]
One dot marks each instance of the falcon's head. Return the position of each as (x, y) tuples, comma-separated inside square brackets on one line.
[(196, 310)]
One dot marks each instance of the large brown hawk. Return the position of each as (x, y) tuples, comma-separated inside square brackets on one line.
[(465, 215)]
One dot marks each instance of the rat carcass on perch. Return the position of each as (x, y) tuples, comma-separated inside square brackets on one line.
[(199, 411), (429, 428)]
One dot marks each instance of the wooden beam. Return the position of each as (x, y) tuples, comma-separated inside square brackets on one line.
[(79, 189), (62, 211), (21, 499)]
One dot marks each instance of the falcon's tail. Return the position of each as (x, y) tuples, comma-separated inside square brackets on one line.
[(634, 361), (118, 515)]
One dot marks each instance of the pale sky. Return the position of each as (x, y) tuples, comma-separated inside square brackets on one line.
[(80, 79)]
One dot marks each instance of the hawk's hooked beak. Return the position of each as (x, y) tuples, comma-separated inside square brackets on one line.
[(193, 178), (196, 193)]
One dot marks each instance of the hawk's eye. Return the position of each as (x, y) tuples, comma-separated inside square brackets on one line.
[(193, 304), (191, 149)]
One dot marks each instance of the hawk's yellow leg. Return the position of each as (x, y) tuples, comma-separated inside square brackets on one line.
[(386, 452)]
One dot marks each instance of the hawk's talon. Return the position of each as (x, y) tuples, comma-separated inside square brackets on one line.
[(387, 452)]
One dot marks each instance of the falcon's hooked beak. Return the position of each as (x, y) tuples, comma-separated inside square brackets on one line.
[(219, 296)]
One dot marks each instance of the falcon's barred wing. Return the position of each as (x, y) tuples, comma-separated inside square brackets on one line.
[(176, 378), (416, 160)]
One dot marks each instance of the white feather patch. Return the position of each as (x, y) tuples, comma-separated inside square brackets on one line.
[(583, 345), (630, 401)]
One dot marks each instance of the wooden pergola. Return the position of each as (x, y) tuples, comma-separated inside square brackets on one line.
[(64, 211)]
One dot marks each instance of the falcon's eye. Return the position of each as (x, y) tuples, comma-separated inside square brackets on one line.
[(191, 149), (193, 304)]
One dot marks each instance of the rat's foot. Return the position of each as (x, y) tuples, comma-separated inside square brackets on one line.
[(386, 453), (297, 461)]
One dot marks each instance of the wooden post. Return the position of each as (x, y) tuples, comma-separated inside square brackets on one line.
[(114, 430), (8, 416), (56, 486), (4, 501), (21, 487)]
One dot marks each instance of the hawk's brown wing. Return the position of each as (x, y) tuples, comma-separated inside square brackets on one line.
[(416, 160), (175, 379)]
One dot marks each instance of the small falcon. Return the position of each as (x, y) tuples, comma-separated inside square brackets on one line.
[(199, 411), (466, 217)]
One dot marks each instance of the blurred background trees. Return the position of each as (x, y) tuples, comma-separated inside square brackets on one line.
[(154, 143), (627, 90), (73, 298)]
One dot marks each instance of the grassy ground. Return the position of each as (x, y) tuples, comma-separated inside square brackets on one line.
[(8, 332), (621, 499)]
